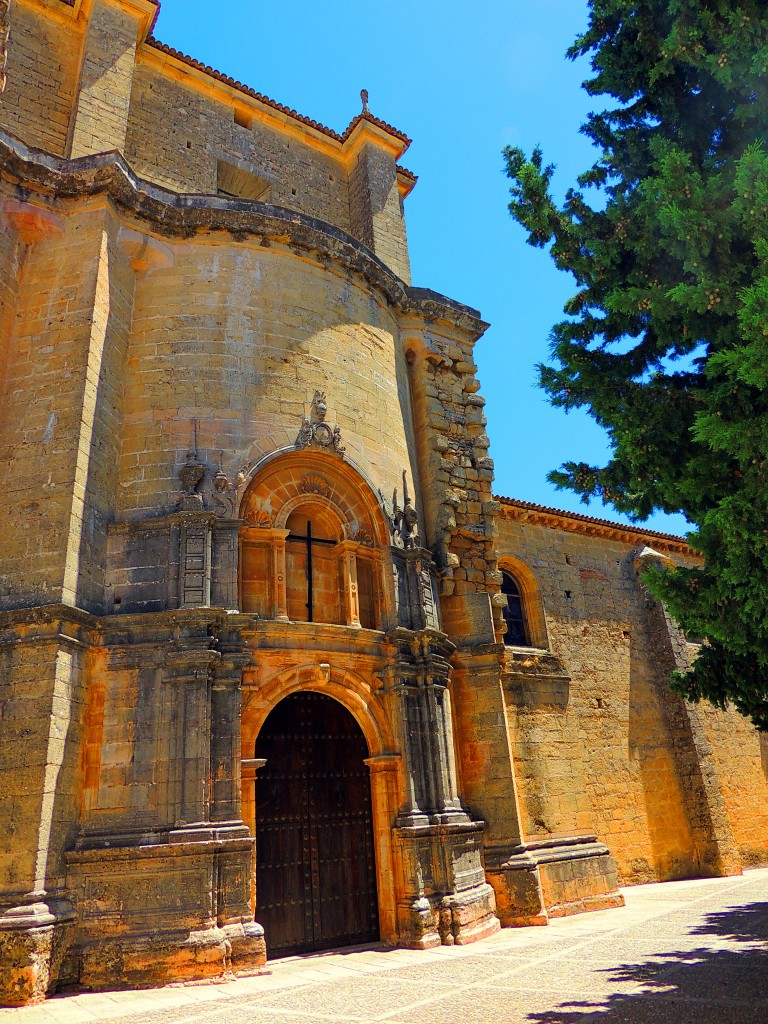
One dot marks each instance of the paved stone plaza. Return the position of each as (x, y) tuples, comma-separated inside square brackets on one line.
[(693, 952)]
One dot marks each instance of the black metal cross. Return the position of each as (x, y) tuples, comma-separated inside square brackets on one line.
[(310, 540)]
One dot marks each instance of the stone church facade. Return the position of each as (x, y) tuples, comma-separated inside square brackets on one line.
[(278, 671)]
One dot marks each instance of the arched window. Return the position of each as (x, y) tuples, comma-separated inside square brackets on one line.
[(309, 544), (313, 577), (517, 633)]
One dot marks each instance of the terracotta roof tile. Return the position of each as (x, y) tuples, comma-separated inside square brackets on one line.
[(546, 510), (267, 101), (365, 116)]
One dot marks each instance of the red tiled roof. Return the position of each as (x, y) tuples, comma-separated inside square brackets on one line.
[(267, 101), (406, 173), (366, 116), (546, 510)]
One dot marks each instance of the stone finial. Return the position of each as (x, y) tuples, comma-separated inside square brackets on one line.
[(364, 98), (191, 473), (403, 522)]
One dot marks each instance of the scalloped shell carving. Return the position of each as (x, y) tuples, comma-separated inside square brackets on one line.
[(363, 536), (259, 518), (315, 484)]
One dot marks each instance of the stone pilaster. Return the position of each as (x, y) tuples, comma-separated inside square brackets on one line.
[(100, 117), (188, 671), (194, 554), (415, 589), (226, 706), (43, 681)]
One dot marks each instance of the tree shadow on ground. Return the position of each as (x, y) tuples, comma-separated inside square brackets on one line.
[(723, 981)]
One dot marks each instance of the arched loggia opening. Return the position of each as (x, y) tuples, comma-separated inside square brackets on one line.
[(315, 860)]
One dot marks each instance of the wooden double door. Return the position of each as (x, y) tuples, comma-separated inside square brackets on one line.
[(315, 869)]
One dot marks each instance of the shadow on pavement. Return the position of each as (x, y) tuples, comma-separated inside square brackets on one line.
[(723, 982)]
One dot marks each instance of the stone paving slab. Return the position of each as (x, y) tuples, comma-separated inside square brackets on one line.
[(691, 952)]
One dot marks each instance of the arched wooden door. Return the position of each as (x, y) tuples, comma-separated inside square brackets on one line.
[(315, 870)]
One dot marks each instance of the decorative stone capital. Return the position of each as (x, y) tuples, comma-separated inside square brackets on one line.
[(190, 666)]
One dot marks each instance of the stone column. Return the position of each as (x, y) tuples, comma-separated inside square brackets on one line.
[(426, 732), (249, 766), (43, 680), (279, 574), (444, 897), (347, 550), (411, 812), (384, 786)]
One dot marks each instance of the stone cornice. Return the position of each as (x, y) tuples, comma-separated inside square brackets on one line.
[(573, 522), (40, 178)]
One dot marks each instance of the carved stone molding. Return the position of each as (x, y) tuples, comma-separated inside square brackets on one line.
[(261, 518), (364, 537)]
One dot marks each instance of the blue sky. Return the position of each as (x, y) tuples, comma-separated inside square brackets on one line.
[(463, 81)]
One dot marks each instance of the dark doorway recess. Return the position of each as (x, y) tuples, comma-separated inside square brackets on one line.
[(315, 870)]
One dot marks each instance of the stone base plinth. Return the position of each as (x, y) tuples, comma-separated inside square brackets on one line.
[(554, 877), (34, 939), (174, 911), (141, 961), (451, 903)]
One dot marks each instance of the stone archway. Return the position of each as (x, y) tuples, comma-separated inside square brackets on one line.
[(315, 859)]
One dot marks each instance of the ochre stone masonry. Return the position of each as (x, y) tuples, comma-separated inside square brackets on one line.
[(243, 459)]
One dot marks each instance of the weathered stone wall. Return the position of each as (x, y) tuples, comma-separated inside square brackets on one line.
[(61, 409), (140, 654), (101, 112), (600, 742), (177, 134), (42, 72), (741, 756), (238, 338), (376, 208), (11, 257)]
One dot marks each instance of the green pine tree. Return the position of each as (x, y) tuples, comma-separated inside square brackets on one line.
[(666, 339)]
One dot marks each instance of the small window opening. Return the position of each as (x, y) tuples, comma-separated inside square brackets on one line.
[(516, 634), (243, 119), (234, 183)]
